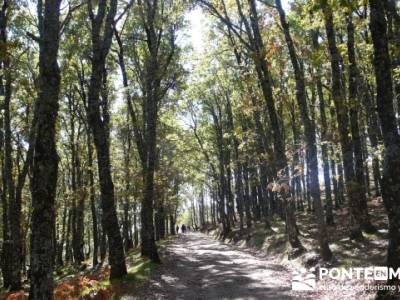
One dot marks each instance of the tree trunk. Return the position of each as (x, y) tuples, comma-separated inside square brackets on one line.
[(246, 199), (355, 130), (135, 227), (373, 134), (126, 225), (343, 124), (14, 205), (100, 47), (335, 183), (310, 135), (103, 245), (201, 209), (230, 200), (45, 161), (93, 210), (222, 191), (324, 142), (80, 218), (263, 148), (172, 225), (67, 237), (12, 243), (63, 233), (149, 248), (296, 181), (391, 138), (146, 135)]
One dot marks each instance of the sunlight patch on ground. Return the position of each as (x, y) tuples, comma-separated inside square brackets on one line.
[(169, 279)]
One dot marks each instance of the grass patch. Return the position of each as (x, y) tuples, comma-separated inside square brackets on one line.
[(140, 271), (101, 287)]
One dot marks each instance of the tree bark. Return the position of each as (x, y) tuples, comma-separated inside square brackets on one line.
[(237, 170), (246, 198), (374, 135), (391, 138), (100, 47), (12, 243), (222, 191), (68, 255), (45, 160), (355, 130), (343, 125), (93, 210), (310, 135), (324, 139), (126, 225), (135, 227), (14, 205)]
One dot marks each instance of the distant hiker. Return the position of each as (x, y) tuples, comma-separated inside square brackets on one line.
[(177, 229), (188, 228), (183, 228)]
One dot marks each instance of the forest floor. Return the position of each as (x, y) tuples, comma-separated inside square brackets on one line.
[(248, 264), (197, 266), (93, 283), (272, 243)]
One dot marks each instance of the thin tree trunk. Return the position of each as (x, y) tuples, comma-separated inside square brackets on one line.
[(246, 199), (355, 130), (343, 125), (373, 134), (324, 142), (67, 237), (146, 135), (92, 197), (222, 191), (101, 42), (128, 243), (335, 183), (135, 227), (172, 225), (12, 243), (310, 135), (63, 233), (14, 207)]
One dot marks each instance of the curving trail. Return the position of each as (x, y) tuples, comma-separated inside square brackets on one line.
[(198, 267)]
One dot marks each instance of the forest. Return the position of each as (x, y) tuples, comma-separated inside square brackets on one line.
[(270, 126)]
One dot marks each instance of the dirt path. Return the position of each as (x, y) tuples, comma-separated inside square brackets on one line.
[(198, 267)]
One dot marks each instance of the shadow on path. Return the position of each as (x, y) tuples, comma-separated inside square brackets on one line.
[(198, 267)]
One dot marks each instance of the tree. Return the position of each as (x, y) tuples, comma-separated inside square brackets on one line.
[(343, 124), (310, 134), (12, 247), (101, 36), (253, 42), (45, 159), (391, 138), (354, 126), (154, 62)]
